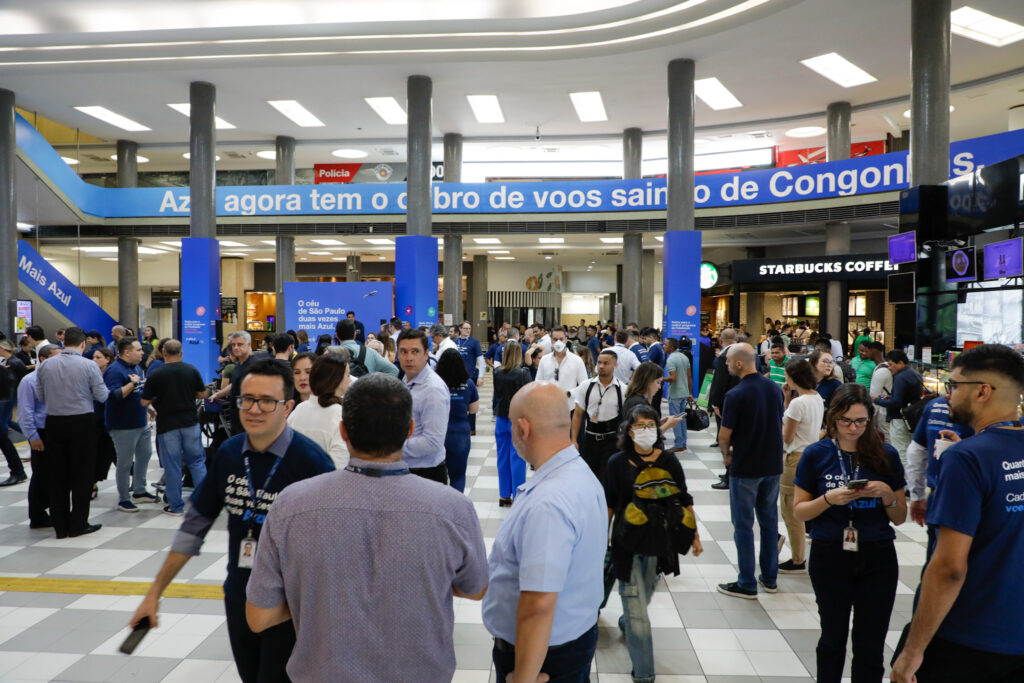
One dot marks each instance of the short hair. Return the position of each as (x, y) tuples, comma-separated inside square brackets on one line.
[(125, 343), (898, 356), (741, 354), (350, 313), (36, 332), (60, 331), (412, 333), (779, 345), (512, 333), (621, 337), (877, 346), (170, 347), (105, 352), (25, 341), (559, 328), (823, 344), (653, 332), (118, 328), (795, 348), (73, 336), (47, 350), (609, 352), (728, 333), (241, 334), (377, 411), (672, 343), (345, 330), (592, 327), (281, 342), (802, 374), (327, 373), (452, 369), (996, 358), (272, 367), (438, 330), (625, 440)]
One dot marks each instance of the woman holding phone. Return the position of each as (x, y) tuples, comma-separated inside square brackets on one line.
[(851, 484)]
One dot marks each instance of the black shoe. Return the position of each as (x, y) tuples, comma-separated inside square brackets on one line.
[(505, 502), (721, 477), (721, 485), (14, 479), (736, 591), (45, 524), (768, 588), (714, 445), (791, 567), (89, 528)]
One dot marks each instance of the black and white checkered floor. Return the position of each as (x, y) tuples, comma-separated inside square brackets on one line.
[(699, 634)]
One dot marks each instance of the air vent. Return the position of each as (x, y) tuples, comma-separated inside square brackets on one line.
[(236, 155), (95, 157), (549, 150), (760, 135), (387, 152)]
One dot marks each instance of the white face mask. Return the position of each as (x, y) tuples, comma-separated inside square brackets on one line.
[(645, 437), (558, 346)]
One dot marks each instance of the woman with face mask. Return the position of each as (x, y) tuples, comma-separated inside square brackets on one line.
[(644, 485)]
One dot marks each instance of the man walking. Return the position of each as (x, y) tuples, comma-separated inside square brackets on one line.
[(173, 389), (431, 401), (561, 366), (751, 444), (427, 539), (907, 387), (128, 424), (32, 414), (598, 411), (68, 384), (546, 562)]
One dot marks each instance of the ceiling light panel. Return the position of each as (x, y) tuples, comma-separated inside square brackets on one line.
[(611, 240), (114, 119), (186, 109), (328, 242), (69, 161), (984, 28), (269, 154), (138, 159), (486, 108), (712, 93), (188, 155), (504, 258), (805, 132), (298, 114), (319, 253), (906, 114), (350, 153), (378, 241), (838, 69), (487, 240), (589, 106), (229, 243), (551, 240), (498, 251), (388, 109)]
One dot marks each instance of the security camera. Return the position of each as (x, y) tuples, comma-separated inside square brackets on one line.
[(536, 135)]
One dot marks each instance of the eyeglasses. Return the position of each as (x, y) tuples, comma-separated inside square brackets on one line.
[(267, 405), (952, 384), (826, 361), (858, 423)]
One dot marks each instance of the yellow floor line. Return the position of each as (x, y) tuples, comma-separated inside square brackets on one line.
[(84, 587)]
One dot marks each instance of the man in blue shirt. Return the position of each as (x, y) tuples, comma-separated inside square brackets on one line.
[(470, 349), (128, 425), (907, 387), (32, 414), (360, 335), (967, 625), (546, 565), (593, 342), (431, 401), (634, 345)]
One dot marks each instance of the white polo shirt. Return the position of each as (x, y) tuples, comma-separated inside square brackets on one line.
[(567, 374)]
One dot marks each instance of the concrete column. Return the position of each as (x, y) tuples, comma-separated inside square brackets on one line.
[(418, 145), (929, 91), (285, 160), (453, 276), (284, 271), (128, 282), (837, 235), (353, 268), (837, 142), (127, 163), (645, 318), (478, 297), (680, 214), (632, 152), (8, 214), (202, 146), (452, 158), (632, 267)]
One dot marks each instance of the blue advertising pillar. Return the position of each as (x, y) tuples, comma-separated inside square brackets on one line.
[(200, 303), (416, 279), (681, 289)]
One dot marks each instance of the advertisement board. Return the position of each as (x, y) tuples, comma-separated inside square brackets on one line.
[(51, 286), (200, 303), (316, 307)]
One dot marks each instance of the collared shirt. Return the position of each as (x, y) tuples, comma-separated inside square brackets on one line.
[(568, 373), (374, 361), (123, 412), (545, 343), (628, 362), (604, 401), (445, 344), (68, 384), (470, 349), (31, 410), (431, 402), (321, 552), (553, 541)]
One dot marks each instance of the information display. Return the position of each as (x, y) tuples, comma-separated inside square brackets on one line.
[(316, 307), (902, 288), (1004, 259), (961, 265), (903, 247), (23, 315)]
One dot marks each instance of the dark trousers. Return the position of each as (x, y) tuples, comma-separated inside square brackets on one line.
[(438, 473), (566, 663), (70, 465), (9, 451), (949, 662), (864, 581), (456, 456), (259, 657), (39, 486), (596, 452)]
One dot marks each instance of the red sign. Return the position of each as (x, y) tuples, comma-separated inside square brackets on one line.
[(816, 155), (335, 173)]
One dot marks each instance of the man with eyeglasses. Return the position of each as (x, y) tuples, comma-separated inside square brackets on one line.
[(561, 366), (907, 387), (272, 456)]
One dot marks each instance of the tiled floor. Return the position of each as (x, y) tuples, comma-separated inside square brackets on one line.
[(699, 634)]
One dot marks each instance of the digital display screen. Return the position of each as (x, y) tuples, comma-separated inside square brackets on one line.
[(1004, 259), (960, 265), (812, 306), (903, 247), (902, 288)]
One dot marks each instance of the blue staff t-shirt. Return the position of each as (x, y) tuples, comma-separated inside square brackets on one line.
[(458, 413), (469, 347), (819, 471), (980, 493), (934, 419), (826, 388)]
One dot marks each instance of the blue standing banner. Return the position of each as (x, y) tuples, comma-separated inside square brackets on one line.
[(200, 303), (681, 290), (416, 279), (46, 282), (316, 307)]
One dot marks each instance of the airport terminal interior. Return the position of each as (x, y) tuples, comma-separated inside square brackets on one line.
[(701, 171)]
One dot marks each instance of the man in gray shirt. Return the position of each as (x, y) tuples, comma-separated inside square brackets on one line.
[(68, 384), (382, 548)]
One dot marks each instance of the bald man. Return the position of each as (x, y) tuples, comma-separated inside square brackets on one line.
[(546, 578), (751, 443)]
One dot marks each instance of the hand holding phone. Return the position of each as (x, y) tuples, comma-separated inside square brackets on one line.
[(857, 483), (136, 636)]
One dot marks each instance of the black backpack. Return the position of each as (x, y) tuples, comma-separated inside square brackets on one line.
[(357, 364), (655, 523), (912, 413), (849, 374)]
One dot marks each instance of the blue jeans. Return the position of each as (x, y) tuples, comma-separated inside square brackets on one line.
[(511, 468), (676, 406), (456, 455), (181, 446), (635, 624), (750, 496), (134, 449)]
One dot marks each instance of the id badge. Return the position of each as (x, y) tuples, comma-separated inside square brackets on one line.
[(850, 538), (246, 552)]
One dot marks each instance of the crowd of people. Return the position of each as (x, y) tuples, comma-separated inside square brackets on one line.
[(340, 464)]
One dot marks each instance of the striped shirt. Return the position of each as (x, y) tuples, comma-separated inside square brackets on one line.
[(778, 372)]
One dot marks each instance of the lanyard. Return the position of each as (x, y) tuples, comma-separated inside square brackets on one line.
[(600, 399), (373, 472), (252, 491), (1004, 423), (846, 478)]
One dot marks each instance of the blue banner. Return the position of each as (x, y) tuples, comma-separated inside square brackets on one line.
[(864, 175), (318, 306), (416, 279), (681, 290), (200, 303), (51, 286)]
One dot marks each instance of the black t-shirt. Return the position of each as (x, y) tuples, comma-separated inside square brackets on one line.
[(236, 389), (172, 388), (753, 410)]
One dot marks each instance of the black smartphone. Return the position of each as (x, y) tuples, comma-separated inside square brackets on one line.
[(136, 636), (857, 484)]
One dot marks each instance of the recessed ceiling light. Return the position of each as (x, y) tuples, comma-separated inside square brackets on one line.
[(984, 28), (346, 153), (172, 244), (229, 243), (660, 238), (149, 250), (498, 251), (97, 250), (906, 114), (188, 155), (138, 159), (714, 94), (108, 258), (339, 258), (611, 240), (69, 161), (379, 241), (24, 227), (234, 253), (547, 258), (589, 106), (805, 132), (114, 119), (298, 114), (504, 258), (268, 154), (272, 243), (186, 109), (328, 242), (265, 260), (486, 108), (388, 109), (319, 253), (303, 259), (487, 240), (551, 240), (838, 69), (382, 258)]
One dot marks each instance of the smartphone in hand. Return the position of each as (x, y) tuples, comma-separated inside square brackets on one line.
[(136, 636), (857, 484)]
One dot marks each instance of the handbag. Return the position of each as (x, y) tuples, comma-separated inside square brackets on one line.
[(697, 418)]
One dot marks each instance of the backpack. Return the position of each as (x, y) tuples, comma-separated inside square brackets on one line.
[(849, 374), (655, 522), (913, 412), (357, 364)]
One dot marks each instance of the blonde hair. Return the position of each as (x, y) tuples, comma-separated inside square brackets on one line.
[(511, 356)]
